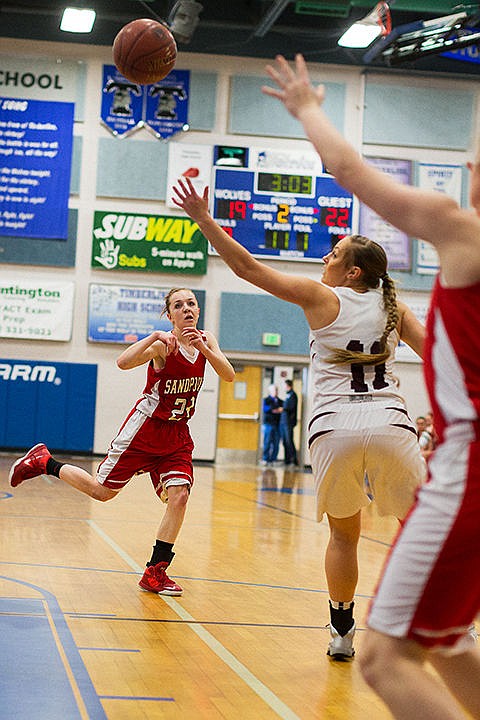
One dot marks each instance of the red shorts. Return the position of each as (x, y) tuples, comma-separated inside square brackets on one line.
[(430, 587), (160, 447)]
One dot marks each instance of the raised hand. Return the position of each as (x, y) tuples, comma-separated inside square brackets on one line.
[(295, 89), (188, 199)]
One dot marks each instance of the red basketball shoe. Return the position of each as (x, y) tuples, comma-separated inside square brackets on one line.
[(31, 465), (155, 579)]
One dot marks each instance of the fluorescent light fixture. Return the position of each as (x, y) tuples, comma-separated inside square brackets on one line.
[(362, 33), (77, 20)]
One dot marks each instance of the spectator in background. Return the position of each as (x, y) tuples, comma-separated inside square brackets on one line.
[(288, 420), (425, 433), (272, 409), (431, 429), (421, 425)]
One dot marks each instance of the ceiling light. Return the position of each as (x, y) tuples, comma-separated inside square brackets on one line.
[(183, 19), (362, 33), (77, 20)]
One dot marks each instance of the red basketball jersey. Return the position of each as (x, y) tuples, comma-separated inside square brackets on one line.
[(452, 356), (171, 393)]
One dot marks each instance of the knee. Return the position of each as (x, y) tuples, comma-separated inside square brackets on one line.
[(102, 493), (178, 496), (374, 658)]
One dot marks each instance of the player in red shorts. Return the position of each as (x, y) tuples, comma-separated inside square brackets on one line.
[(155, 437), (429, 593)]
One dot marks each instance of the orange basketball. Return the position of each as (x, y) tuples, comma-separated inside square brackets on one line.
[(144, 51)]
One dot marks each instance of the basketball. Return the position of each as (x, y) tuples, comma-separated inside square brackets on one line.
[(144, 51)]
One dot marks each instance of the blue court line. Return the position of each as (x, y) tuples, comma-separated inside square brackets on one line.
[(220, 623), (222, 581), (137, 697), (287, 490), (42, 674), (104, 649), (5, 495)]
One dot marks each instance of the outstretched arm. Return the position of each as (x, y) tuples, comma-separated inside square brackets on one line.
[(313, 297), (428, 215), (411, 329)]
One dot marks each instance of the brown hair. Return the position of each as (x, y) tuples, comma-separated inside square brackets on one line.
[(370, 257), (168, 298)]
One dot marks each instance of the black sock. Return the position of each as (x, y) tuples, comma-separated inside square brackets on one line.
[(341, 618), (162, 552), (53, 467)]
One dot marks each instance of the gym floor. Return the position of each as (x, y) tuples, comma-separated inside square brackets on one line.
[(247, 639)]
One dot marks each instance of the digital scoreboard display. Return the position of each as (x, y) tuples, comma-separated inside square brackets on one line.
[(280, 203)]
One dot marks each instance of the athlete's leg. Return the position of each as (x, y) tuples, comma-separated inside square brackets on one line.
[(461, 673), (341, 562), (341, 568), (81, 480), (174, 513), (155, 578), (395, 669), (38, 461)]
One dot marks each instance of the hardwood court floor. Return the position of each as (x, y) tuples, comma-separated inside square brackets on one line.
[(247, 640)]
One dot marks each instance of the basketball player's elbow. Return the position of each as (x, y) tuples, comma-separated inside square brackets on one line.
[(125, 363), (228, 374)]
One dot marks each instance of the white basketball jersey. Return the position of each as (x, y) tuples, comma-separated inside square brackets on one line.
[(359, 326)]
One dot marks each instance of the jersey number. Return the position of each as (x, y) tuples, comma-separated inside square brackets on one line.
[(358, 383), (181, 408)]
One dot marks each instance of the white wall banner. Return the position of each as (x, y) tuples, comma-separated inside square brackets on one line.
[(395, 243), (36, 309), (419, 307), (188, 160), (445, 179)]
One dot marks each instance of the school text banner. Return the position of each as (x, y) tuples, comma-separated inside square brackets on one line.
[(127, 313), (36, 140), (148, 243), (36, 309)]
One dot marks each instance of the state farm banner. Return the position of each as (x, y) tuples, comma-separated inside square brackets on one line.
[(36, 309), (148, 243)]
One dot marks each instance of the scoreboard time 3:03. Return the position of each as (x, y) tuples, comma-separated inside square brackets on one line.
[(279, 203)]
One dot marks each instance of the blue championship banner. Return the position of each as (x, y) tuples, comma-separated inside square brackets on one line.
[(36, 139), (122, 102), (161, 107)]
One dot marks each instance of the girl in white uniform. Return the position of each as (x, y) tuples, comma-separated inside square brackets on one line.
[(359, 424), (429, 593)]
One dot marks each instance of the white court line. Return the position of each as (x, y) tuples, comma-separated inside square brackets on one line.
[(244, 673)]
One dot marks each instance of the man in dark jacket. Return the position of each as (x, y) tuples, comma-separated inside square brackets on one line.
[(288, 420)]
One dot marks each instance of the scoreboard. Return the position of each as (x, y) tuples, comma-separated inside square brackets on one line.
[(279, 203)]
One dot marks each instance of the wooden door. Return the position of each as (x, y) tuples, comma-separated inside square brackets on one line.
[(238, 416)]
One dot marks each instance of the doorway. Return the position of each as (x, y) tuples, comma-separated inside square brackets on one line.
[(239, 431)]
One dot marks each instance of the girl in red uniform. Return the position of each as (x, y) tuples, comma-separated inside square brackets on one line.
[(429, 593), (155, 437)]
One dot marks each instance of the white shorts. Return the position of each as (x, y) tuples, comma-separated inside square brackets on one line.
[(360, 441)]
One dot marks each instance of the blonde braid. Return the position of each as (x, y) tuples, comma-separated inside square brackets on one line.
[(390, 304)]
